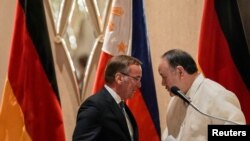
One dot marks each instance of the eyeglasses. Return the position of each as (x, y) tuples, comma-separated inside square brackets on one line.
[(137, 79)]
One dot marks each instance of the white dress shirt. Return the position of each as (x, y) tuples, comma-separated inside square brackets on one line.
[(186, 124)]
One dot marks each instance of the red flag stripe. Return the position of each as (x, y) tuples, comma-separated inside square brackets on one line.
[(99, 79)]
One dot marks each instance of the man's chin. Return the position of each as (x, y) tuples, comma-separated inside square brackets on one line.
[(131, 96), (171, 94)]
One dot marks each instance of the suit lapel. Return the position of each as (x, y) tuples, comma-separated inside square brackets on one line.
[(114, 107), (133, 122)]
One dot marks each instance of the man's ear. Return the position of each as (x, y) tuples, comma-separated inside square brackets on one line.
[(118, 78), (180, 70)]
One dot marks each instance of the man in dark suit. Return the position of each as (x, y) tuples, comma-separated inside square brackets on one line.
[(101, 117)]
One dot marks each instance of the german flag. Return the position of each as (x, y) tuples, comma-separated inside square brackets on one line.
[(223, 50), (30, 107)]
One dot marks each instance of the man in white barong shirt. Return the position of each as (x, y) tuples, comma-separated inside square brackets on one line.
[(184, 123)]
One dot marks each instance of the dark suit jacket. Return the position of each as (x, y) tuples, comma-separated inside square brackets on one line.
[(100, 119)]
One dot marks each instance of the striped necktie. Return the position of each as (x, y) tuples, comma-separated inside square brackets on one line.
[(122, 106)]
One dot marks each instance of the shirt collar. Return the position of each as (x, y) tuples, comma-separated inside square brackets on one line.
[(195, 85), (113, 94)]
